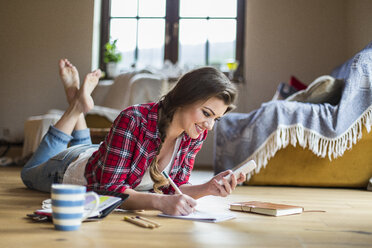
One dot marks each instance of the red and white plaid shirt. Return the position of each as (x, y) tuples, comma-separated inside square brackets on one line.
[(131, 145)]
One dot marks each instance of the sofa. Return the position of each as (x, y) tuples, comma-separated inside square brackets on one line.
[(319, 137)]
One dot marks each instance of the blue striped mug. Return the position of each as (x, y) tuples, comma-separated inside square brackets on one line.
[(68, 203)]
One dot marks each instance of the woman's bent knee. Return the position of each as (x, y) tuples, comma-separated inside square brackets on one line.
[(25, 179)]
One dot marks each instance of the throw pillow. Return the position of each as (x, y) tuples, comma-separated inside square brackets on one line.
[(324, 89), (297, 84)]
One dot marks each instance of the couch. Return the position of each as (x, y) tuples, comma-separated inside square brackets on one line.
[(337, 154)]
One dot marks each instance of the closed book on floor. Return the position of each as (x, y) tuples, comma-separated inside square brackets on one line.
[(266, 208)]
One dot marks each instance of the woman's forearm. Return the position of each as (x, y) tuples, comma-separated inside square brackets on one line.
[(195, 191), (141, 200), (180, 204)]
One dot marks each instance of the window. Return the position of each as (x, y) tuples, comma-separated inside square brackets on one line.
[(188, 32)]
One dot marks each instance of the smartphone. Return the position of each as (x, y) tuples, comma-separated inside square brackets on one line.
[(244, 167)]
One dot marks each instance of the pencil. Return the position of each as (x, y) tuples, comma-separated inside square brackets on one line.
[(148, 224), (138, 222), (149, 221), (171, 182)]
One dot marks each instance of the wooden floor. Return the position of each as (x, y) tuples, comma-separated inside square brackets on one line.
[(347, 221)]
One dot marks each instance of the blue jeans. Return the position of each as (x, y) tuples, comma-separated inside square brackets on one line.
[(51, 159)]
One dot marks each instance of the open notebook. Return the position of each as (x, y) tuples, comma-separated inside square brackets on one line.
[(107, 204)]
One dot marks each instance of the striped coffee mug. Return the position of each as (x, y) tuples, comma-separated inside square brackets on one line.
[(68, 206)]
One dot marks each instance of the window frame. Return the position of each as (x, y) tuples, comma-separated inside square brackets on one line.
[(171, 34)]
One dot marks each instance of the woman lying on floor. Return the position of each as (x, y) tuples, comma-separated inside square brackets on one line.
[(143, 141)]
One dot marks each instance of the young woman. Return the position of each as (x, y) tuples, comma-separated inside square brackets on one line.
[(143, 141)]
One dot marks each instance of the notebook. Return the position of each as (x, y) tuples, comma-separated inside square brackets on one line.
[(202, 216), (107, 203), (266, 208)]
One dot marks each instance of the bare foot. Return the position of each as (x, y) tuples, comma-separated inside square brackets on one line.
[(85, 101), (70, 78)]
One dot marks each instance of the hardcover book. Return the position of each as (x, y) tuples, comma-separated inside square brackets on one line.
[(266, 208)]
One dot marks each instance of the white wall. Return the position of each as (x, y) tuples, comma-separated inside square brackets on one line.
[(359, 25), (34, 36)]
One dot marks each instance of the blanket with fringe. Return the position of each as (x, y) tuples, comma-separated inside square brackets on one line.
[(327, 130)]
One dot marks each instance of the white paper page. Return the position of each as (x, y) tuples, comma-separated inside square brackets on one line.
[(202, 216)]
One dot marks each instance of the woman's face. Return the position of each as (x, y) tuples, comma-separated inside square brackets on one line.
[(197, 117)]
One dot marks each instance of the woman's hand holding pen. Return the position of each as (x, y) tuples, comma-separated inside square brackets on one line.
[(225, 188), (178, 204)]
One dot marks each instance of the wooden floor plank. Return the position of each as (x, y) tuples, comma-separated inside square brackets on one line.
[(346, 222)]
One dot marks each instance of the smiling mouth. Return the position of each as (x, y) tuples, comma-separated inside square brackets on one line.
[(198, 128)]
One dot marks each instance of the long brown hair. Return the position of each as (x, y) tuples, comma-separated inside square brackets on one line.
[(196, 85)]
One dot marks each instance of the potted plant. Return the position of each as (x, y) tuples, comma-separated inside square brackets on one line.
[(111, 57)]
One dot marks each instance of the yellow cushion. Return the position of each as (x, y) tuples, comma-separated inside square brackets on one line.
[(300, 167)]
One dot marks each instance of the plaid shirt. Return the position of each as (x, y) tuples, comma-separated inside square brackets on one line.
[(131, 145)]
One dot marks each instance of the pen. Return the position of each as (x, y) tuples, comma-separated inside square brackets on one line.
[(171, 182)]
